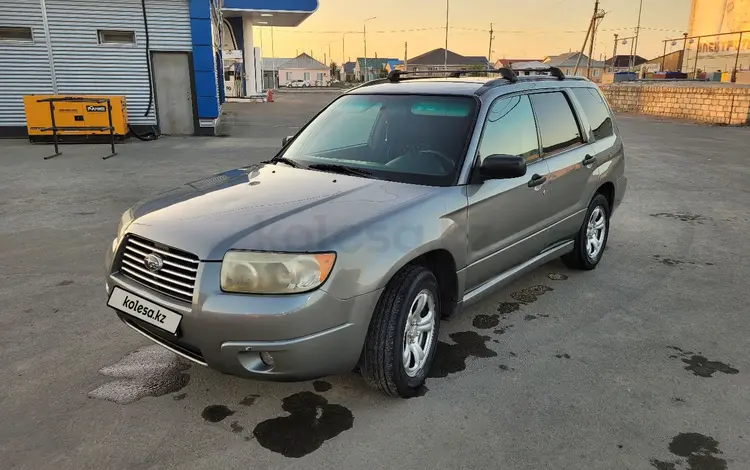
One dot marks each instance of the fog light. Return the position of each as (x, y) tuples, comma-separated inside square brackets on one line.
[(266, 358)]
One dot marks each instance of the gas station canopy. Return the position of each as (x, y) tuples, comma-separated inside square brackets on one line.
[(283, 13)]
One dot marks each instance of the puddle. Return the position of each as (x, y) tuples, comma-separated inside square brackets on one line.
[(699, 451), (700, 365), (506, 308), (249, 400), (322, 386), (236, 428), (530, 294), (557, 276), (451, 358), (216, 413), (147, 372), (683, 217), (311, 422), (501, 331), (486, 322)]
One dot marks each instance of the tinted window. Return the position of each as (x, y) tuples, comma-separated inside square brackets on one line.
[(557, 123), (596, 111), (510, 129)]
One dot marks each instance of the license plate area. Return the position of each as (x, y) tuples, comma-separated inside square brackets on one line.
[(144, 310)]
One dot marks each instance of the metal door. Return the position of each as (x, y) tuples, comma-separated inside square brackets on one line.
[(174, 96)]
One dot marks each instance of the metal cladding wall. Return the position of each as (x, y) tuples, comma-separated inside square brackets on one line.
[(24, 66), (82, 65)]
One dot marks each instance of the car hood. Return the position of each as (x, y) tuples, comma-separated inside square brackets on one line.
[(268, 208)]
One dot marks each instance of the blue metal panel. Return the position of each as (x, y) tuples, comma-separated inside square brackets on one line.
[(204, 64), (307, 6)]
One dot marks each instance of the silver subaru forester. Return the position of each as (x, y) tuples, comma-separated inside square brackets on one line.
[(401, 202)]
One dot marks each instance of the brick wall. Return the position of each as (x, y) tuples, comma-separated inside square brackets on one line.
[(714, 103)]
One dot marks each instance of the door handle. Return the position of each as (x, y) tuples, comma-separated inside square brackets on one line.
[(537, 180), (589, 160)]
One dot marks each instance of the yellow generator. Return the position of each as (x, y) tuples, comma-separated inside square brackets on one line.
[(75, 117)]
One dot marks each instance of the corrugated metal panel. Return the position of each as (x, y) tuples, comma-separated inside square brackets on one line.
[(84, 66), (304, 61), (24, 67)]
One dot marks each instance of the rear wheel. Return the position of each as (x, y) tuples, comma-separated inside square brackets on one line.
[(403, 334), (592, 237)]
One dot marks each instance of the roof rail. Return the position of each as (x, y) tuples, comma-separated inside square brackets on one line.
[(394, 76), (554, 71)]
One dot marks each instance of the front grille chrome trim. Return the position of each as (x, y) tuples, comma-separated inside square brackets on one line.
[(177, 277)]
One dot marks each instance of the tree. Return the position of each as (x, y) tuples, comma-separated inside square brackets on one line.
[(334, 67)]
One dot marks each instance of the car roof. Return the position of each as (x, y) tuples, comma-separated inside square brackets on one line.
[(464, 86)]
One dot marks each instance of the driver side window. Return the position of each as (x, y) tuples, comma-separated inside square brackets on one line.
[(510, 129)]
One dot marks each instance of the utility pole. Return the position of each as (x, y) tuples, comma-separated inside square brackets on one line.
[(447, 9), (614, 54), (637, 33), (598, 16), (489, 54), (364, 32), (586, 40), (406, 56)]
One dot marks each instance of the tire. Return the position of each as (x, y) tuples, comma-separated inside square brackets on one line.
[(581, 257), (383, 364)]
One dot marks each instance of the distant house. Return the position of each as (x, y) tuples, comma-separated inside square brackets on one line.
[(435, 60), (374, 66), (304, 67), (394, 64), (621, 63), (270, 70), (348, 72), (509, 63), (567, 63)]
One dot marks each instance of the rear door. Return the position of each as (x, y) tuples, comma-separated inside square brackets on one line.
[(507, 217), (571, 162)]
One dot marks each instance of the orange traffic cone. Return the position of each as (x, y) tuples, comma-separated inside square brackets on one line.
[(269, 96)]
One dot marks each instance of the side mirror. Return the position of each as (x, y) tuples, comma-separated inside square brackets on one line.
[(502, 167), (286, 140)]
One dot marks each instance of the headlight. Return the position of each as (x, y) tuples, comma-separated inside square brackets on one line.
[(249, 272)]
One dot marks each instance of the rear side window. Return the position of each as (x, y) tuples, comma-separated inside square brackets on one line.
[(510, 129), (596, 111), (556, 121)]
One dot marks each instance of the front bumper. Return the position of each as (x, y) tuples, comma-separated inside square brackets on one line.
[(309, 335)]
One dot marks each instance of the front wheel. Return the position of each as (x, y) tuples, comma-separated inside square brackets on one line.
[(592, 237), (403, 334)]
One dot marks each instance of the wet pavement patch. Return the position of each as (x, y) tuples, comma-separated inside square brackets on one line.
[(531, 294), (699, 450), (179, 397), (501, 331), (236, 428), (65, 283), (557, 276), (677, 262), (562, 356), (506, 308), (485, 322), (216, 413), (249, 400), (683, 217), (700, 365), (529, 317), (311, 422), (662, 465), (451, 358), (147, 372), (322, 386)]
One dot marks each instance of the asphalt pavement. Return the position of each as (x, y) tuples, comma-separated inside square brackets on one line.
[(640, 364)]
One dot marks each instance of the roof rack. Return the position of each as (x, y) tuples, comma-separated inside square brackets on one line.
[(395, 75), (554, 71)]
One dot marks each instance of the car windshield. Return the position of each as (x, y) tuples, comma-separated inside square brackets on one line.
[(407, 138)]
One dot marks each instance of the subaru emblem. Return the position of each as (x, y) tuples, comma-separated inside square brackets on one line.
[(153, 262)]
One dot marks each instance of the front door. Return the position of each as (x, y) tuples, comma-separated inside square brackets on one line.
[(507, 217), (174, 96)]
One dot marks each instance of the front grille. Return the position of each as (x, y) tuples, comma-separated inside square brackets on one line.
[(175, 279)]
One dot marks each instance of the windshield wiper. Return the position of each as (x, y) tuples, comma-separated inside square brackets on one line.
[(341, 169), (291, 163)]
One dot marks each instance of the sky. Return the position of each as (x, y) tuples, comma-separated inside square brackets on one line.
[(529, 29)]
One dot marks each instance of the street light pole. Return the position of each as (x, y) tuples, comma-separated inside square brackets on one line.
[(637, 33), (364, 32), (447, 10)]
